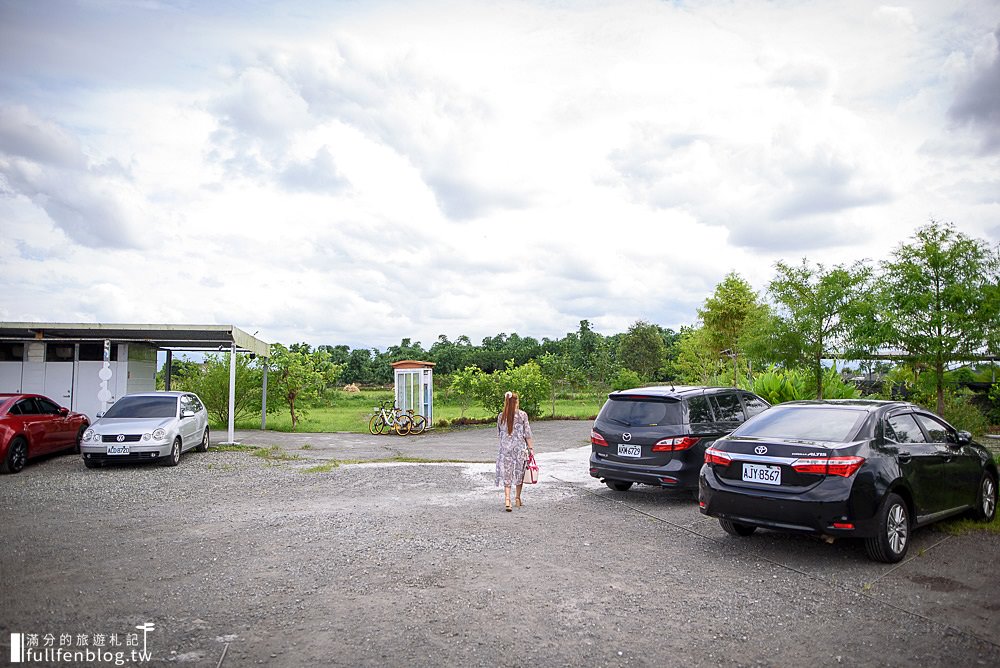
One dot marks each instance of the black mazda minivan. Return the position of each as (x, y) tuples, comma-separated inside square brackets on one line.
[(657, 435)]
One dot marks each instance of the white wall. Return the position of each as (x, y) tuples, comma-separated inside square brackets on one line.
[(87, 384), (33, 374), (10, 376), (141, 368)]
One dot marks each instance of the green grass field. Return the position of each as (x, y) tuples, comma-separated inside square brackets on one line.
[(350, 412)]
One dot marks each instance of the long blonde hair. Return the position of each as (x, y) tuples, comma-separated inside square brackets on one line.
[(509, 411)]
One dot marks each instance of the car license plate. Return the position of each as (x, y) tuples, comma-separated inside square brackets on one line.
[(769, 475), (625, 450), (118, 450)]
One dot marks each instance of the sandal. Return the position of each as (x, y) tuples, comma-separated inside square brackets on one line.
[(506, 505), (518, 502)]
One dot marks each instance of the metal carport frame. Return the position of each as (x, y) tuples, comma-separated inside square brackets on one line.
[(163, 337)]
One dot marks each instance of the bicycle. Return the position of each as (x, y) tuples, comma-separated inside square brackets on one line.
[(418, 422), (383, 420)]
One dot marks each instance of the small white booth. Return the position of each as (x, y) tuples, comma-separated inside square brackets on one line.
[(414, 382)]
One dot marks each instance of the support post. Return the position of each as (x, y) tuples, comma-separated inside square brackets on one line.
[(263, 401), (232, 393), (168, 370)]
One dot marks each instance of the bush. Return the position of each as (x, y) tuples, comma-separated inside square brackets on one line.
[(835, 387), (994, 399), (779, 385), (963, 414), (212, 385), (488, 389), (625, 379)]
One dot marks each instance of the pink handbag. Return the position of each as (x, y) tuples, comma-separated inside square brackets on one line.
[(531, 470)]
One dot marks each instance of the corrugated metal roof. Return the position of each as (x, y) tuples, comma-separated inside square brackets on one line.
[(180, 337)]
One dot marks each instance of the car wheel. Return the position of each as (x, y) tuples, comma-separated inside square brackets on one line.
[(737, 529), (79, 438), (889, 545), (174, 457), (203, 446), (618, 485), (986, 508), (17, 456)]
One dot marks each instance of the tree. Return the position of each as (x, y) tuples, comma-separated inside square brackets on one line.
[(183, 372), (818, 311), (358, 368), (697, 360), (527, 380), (299, 375), (939, 297), (642, 349), (489, 388), (560, 373), (729, 316), (463, 386), (212, 385)]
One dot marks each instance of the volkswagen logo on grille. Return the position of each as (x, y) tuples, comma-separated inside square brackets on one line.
[(120, 438), (761, 449), (626, 436)]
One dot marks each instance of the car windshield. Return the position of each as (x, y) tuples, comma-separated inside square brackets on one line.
[(143, 407), (807, 423), (642, 413)]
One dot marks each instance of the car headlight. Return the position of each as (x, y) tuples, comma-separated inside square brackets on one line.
[(89, 435), (159, 434)]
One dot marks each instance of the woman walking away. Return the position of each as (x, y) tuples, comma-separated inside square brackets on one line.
[(515, 434)]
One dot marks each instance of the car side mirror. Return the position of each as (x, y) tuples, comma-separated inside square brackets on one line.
[(964, 438), (99, 415), (187, 414), (64, 411)]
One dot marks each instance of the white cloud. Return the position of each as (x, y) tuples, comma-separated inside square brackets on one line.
[(359, 174)]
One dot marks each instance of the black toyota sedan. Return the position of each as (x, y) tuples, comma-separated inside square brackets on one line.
[(851, 468)]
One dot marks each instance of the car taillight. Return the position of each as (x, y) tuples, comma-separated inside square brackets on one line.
[(713, 456), (597, 439), (673, 444), (839, 466)]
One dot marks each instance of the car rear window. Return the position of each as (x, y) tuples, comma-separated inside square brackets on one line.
[(143, 407), (806, 423), (642, 412)]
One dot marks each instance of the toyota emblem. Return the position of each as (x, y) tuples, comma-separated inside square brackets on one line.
[(761, 449), (120, 438), (626, 436)]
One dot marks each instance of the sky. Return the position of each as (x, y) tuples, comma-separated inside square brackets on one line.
[(357, 172)]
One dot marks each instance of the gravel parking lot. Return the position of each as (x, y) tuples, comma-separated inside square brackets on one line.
[(241, 560)]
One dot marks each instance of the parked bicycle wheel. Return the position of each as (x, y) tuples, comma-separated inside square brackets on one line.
[(377, 424), (419, 424), (403, 424)]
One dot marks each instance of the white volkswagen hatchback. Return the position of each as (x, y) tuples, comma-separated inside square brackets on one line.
[(146, 427)]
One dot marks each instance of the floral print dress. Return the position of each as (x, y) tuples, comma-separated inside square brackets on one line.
[(512, 456)]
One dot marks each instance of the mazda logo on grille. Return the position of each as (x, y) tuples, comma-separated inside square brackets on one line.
[(120, 438), (626, 436), (761, 449)]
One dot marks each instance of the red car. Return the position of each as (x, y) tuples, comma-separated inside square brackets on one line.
[(32, 425)]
